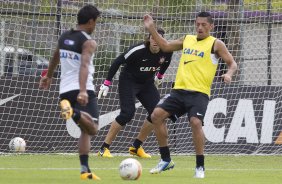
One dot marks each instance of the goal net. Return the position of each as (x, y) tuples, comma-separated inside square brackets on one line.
[(242, 118)]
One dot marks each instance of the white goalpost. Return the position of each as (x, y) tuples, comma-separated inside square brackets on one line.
[(242, 118)]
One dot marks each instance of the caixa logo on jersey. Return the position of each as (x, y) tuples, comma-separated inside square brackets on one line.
[(231, 119), (69, 55), (149, 69)]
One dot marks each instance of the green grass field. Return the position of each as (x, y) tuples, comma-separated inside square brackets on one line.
[(56, 168)]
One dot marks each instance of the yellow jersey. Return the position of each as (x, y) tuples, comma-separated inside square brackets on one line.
[(197, 65)]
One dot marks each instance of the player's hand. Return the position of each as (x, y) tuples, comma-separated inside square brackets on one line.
[(226, 78), (158, 80), (104, 89), (148, 21), (82, 98), (45, 83)]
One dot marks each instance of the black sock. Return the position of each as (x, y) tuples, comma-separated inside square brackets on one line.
[(200, 160), (137, 143), (165, 154), (76, 115), (105, 145), (84, 163)]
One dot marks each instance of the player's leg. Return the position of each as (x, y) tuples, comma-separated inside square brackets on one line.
[(149, 97), (136, 148), (145, 131), (111, 135), (198, 135), (127, 106), (84, 149), (86, 123), (158, 118), (80, 114), (172, 105), (89, 114), (86, 118), (199, 144), (199, 103), (89, 127)]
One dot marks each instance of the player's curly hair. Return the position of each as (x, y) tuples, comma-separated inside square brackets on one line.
[(147, 38), (87, 13)]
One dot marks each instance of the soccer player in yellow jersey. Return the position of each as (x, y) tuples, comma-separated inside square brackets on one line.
[(190, 94)]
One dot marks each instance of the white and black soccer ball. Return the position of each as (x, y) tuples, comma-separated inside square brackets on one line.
[(130, 169), (17, 144)]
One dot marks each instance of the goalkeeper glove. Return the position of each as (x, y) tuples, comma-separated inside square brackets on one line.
[(158, 79), (104, 89)]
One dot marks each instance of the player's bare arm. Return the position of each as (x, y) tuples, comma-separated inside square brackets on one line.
[(166, 46), (88, 49), (222, 52), (53, 63), (46, 80)]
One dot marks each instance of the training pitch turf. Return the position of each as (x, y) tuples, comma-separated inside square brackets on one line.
[(59, 168)]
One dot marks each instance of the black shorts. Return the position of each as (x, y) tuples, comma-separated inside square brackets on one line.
[(180, 102), (92, 106), (129, 90)]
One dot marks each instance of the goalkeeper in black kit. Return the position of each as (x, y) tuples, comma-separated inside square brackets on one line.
[(144, 68)]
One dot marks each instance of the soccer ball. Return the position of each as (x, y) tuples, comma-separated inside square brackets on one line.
[(130, 169), (17, 144)]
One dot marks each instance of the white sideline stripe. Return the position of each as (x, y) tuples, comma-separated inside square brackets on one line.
[(211, 169)]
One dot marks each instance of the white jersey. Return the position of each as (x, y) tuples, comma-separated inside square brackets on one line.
[(70, 45)]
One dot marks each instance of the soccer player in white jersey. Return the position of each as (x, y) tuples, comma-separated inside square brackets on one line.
[(75, 51)]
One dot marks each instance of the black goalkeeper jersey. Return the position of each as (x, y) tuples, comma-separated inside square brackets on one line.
[(140, 63)]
